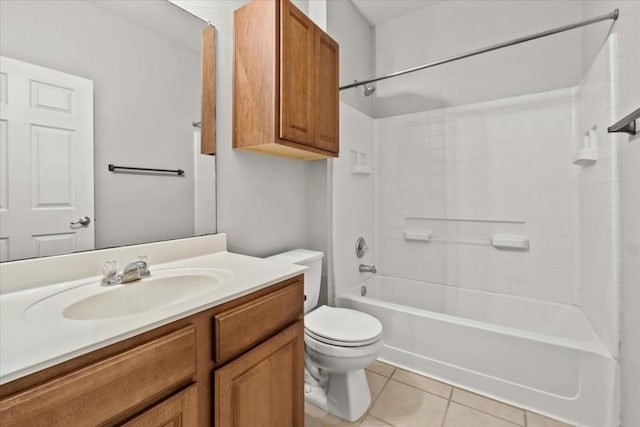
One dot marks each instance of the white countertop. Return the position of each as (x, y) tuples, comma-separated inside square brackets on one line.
[(29, 345)]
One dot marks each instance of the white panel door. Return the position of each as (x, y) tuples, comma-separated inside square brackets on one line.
[(46, 161)]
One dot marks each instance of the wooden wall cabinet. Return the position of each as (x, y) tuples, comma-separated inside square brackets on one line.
[(208, 93), (252, 345), (285, 83)]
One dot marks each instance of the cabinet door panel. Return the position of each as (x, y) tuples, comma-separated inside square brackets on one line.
[(179, 410), (327, 93), (297, 73), (264, 387)]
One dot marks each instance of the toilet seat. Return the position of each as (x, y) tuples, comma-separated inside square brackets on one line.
[(341, 351), (340, 343), (342, 327)]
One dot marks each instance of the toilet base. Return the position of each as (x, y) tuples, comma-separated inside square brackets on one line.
[(317, 396), (346, 395)]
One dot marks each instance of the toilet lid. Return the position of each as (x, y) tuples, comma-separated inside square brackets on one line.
[(342, 326)]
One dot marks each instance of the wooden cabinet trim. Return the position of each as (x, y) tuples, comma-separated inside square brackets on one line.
[(241, 327), (106, 389)]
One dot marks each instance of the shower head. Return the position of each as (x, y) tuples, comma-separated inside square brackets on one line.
[(369, 90)]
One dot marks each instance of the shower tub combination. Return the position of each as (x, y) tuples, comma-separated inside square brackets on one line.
[(536, 355)]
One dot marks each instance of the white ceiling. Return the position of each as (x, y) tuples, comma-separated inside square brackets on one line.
[(379, 11)]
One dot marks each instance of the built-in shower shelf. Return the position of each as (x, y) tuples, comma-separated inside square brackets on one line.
[(417, 235), (510, 242), (586, 153), (485, 220), (500, 233), (498, 241), (361, 170), (360, 163), (585, 157)]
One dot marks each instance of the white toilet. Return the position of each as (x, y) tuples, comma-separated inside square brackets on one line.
[(339, 344)]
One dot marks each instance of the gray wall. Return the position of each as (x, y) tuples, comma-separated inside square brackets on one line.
[(453, 27), (147, 93), (263, 201), (356, 39)]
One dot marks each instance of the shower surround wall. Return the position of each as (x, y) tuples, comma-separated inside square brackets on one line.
[(503, 161), (353, 201), (599, 191)]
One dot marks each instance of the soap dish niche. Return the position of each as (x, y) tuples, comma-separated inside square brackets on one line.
[(586, 153), (360, 163)]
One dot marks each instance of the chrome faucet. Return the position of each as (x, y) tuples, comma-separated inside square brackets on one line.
[(135, 270), (367, 269)]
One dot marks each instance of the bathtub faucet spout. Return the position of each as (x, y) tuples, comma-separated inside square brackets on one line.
[(367, 269)]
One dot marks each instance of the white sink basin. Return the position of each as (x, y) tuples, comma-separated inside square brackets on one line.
[(164, 288)]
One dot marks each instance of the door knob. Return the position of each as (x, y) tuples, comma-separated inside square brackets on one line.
[(84, 221)]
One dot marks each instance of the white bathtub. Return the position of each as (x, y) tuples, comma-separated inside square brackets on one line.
[(536, 355)]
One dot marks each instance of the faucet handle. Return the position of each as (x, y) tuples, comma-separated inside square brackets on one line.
[(144, 259), (110, 268)]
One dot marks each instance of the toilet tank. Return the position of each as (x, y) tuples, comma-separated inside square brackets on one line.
[(312, 276)]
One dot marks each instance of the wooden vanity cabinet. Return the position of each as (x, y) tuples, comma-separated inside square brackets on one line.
[(285, 84), (265, 386), (180, 374)]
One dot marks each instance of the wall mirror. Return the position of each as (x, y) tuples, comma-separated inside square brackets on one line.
[(85, 85)]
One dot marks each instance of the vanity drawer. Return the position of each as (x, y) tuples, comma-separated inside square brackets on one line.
[(103, 390), (239, 328)]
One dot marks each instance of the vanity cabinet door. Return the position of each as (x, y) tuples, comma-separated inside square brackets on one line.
[(263, 387), (179, 410)]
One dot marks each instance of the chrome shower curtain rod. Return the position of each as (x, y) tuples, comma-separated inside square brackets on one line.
[(611, 15)]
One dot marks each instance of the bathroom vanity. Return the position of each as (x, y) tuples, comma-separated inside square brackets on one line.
[(232, 356)]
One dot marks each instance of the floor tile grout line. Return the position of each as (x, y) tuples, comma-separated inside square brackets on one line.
[(450, 398), (379, 419), (419, 389), (446, 411), (493, 415), (378, 373), (378, 396), (373, 401), (500, 402)]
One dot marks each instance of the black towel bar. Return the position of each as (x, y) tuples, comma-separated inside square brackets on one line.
[(113, 168)]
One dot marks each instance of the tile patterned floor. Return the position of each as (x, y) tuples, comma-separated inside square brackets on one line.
[(401, 398)]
